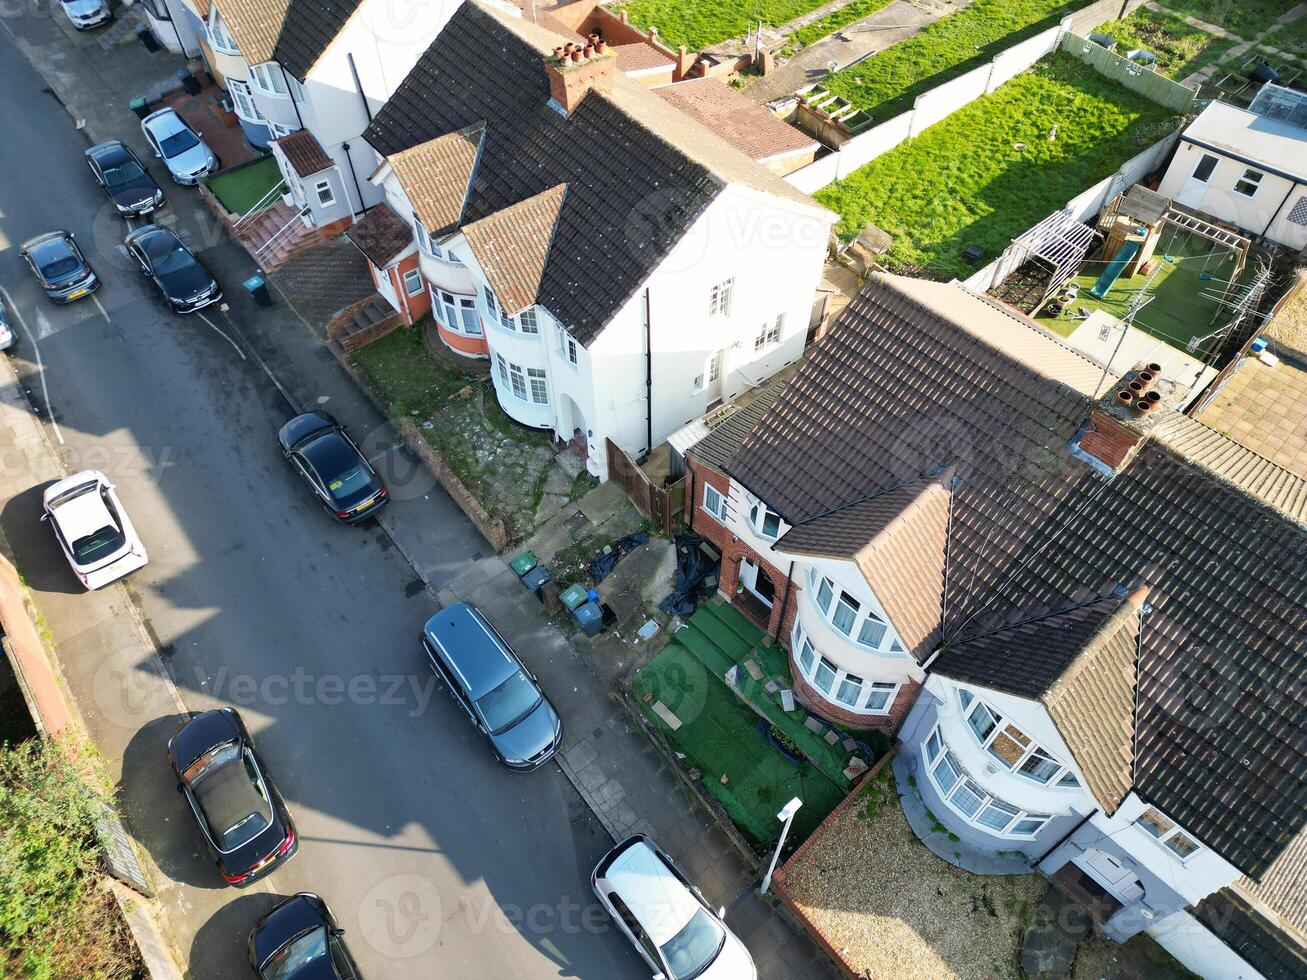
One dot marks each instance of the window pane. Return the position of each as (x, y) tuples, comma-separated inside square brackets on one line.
[(997, 815), (968, 797), (1203, 171), (712, 500), (1029, 824), (1153, 822), (1182, 844), (528, 320), (966, 697), (933, 745), (948, 772), (846, 611), (850, 689), (872, 633), (806, 655), (825, 675), (1009, 746), (539, 390), (1039, 767), (471, 322), (771, 525), (982, 721), (879, 697), (824, 594), (1069, 780)]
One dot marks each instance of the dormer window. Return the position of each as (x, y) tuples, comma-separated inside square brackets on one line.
[(1012, 748), (219, 36), (764, 520), (851, 616), (1164, 831)]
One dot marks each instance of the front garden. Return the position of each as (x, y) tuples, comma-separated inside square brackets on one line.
[(241, 188), (997, 166), (887, 83)]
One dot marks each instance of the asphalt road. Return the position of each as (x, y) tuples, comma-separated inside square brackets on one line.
[(438, 862)]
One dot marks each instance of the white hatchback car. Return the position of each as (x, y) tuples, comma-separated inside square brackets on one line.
[(665, 917), (93, 529)]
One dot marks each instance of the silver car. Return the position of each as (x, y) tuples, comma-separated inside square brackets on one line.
[(85, 14), (178, 146)]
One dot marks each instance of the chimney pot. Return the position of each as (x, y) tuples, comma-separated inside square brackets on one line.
[(594, 38), (558, 53), (1153, 396), (577, 56), (588, 51), (1145, 378), (1125, 397), (1156, 370), (1142, 407), (601, 46)]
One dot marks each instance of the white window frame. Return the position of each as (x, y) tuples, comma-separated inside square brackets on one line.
[(769, 335), (1253, 178), (242, 101), (758, 514), (717, 508), (874, 697), (719, 298), (971, 705), (935, 753), (266, 77), (424, 239), (529, 322), (569, 349), (525, 384), (538, 384), (1165, 837), (453, 307), (220, 36), (413, 287), (324, 185), (863, 614)]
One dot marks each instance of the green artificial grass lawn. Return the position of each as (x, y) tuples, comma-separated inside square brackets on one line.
[(1247, 18), (843, 17), (887, 83), (964, 181), (1180, 48), (718, 736), (700, 23), (241, 189)]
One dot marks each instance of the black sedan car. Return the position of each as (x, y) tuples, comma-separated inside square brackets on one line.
[(299, 940), (124, 178), (243, 818), (183, 281), (334, 468), (64, 273)]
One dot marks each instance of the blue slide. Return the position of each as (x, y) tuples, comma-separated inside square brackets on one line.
[(1109, 276)]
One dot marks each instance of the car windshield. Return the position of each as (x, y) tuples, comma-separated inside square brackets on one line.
[(178, 142), (90, 548), (175, 259), (508, 702), (691, 950), (299, 952), (123, 172), (231, 795)]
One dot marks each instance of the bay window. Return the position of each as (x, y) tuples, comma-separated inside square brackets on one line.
[(825, 675), (220, 37), (843, 687), (267, 78), (850, 616), (458, 313), (528, 385), (1012, 748), (969, 799), (850, 690), (824, 593), (846, 612)]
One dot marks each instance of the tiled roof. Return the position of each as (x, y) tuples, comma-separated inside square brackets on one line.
[(1272, 952), (638, 172), (897, 539), (309, 27), (1265, 409), (639, 56), (900, 387), (1282, 887), (512, 246), (745, 124), (436, 176), (305, 153), (1080, 661), (255, 25), (720, 444), (380, 235)]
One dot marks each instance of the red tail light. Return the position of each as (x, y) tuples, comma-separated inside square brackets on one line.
[(234, 879), (286, 844), (342, 513)]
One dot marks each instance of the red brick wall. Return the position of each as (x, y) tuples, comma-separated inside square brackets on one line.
[(470, 346), (818, 705), (418, 305)]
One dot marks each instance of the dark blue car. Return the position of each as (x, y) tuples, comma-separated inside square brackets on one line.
[(63, 271), (300, 940)]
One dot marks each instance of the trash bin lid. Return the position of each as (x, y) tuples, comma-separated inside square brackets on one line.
[(536, 577), (253, 282), (523, 563), (140, 100), (588, 612), (573, 596)]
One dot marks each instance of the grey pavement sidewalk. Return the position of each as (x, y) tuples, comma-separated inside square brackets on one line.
[(887, 26), (626, 780)]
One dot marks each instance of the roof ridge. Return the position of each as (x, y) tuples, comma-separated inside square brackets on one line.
[(871, 496), (1118, 595), (1032, 324)]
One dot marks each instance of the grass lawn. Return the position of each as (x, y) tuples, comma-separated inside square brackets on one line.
[(719, 737), (1292, 36), (887, 83), (700, 23), (1247, 18), (1180, 48), (843, 17), (1180, 309), (241, 188), (503, 463), (989, 171)]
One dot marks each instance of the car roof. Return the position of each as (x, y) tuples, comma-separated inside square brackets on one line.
[(655, 896), (471, 647), (291, 918), (165, 122), (109, 150), (82, 515), (200, 734), (149, 235), (32, 244), (304, 425)]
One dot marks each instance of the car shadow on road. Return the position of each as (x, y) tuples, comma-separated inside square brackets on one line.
[(147, 794), (36, 551), (228, 927)]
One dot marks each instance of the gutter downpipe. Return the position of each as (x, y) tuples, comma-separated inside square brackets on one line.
[(293, 101), (648, 372), (1064, 838), (353, 173), (1276, 213), (785, 601)]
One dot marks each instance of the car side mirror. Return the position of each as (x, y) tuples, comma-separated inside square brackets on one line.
[(44, 518), (338, 932), (659, 976), (721, 912)]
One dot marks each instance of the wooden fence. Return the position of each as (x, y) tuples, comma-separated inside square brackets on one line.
[(1138, 78), (659, 504)]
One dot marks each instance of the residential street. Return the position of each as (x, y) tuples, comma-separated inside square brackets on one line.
[(437, 861)]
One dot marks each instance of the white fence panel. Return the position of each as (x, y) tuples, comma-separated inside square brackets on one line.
[(816, 175), (864, 148), (944, 100), (1016, 59)]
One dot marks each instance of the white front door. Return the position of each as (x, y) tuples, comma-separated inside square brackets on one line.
[(1123, 883), (714, 384), (386, 287), (1193, 189), (757, 583)]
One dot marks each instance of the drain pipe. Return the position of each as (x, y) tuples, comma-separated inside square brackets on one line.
[(1064, 838), (785, 601), (293, 101), (648, 372), (353, 173), (358, 87)]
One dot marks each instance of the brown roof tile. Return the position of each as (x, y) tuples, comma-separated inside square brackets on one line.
[(513, 245), (1283, 886), (638, 56), (255, 24), (897, 539), (720, 444), (914, 377), (381, 235), (437, 176), (305, 153), (745, 124)]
